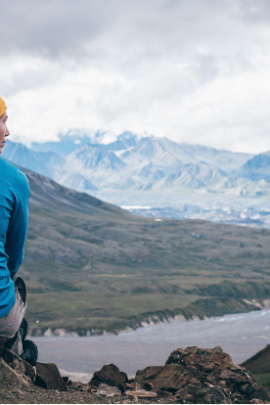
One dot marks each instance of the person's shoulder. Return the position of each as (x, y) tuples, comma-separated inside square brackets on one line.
[(21, 180), (13, 175), (7, 171), (6, 165)]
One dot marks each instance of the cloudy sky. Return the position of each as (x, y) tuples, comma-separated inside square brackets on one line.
[(196, 71)]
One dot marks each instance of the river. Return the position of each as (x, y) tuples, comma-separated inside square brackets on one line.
[(240, 335)]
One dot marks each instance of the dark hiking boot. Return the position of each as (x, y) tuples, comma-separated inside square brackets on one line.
[(23, 329), (30, 352)]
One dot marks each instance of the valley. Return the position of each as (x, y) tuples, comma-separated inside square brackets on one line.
[(93, 267)]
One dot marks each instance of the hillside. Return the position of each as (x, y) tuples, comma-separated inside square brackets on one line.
[(259, 366), (92, 266)]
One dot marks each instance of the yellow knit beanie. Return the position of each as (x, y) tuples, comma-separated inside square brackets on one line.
[(3, 107)]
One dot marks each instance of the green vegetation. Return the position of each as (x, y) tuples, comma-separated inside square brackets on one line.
[(92, 266), (259, 366), (263, 378)]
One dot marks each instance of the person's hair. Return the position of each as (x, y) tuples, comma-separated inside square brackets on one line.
[(3, 107)]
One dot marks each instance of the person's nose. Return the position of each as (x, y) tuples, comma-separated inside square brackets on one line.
[(7, 132)]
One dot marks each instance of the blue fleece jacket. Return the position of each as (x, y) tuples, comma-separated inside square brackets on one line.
[(14, 195)]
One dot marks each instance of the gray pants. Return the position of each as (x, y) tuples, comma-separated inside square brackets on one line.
[(10, 323)]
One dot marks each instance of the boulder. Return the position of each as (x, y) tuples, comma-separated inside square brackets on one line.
[(14, 371), (198, 375), (20, 366), (10, 378), (48, 376), (111, 375)]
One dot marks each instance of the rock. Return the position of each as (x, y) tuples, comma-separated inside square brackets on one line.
[(261, 394), (194, 375), (209, 367), (48, 376), (169, 378), (20, 366), (149, 386), (67, 381), (81, 387), (209, 395), (223, 383), (211, 378), (191, 349), (9, 377), (233, 367), (199, 375), (142, 393), (226, 375), (204, 358), (217, 349), (134, 386), (194, 381), (162, 393), (111, 375), (255, 386), (246, 389), (108, 390), (176, 356), (203, 351)]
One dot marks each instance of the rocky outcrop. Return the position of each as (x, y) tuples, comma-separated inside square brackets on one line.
[(193, 375), (203, 376)]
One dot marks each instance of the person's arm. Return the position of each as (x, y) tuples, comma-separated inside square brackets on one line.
[(18, 224)]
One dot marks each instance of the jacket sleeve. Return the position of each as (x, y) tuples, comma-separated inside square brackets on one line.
[(18, 224)]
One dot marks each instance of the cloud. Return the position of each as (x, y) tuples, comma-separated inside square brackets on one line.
[(193, 70)]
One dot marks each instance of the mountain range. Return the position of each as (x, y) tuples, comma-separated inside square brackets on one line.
[(156, 176)]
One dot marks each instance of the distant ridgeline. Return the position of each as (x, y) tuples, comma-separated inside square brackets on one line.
[(92, 267), (173, 180)]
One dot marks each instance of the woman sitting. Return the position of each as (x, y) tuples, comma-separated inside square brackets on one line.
[(14, 195)]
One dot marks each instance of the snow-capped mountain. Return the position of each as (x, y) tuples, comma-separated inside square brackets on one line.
[(258, 167), (45, 163), (79, 183), (156, 172), (154, 164)]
